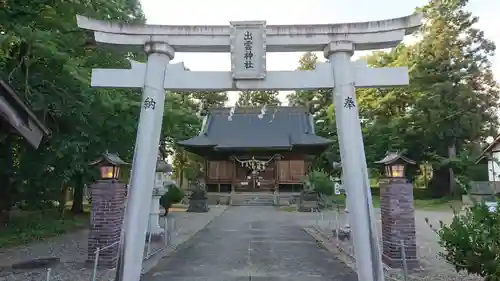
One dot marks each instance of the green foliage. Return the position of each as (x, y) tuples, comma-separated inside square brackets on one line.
[(36, 226), (174, 195), (257, 98), (319, 181), (48, 60), (418, 193), (472, 242)]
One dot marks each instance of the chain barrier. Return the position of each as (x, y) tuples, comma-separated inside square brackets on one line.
[(97, 254), (335, 222), (169, 227)]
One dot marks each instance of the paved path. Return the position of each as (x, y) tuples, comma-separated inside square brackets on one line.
[(251, 243)]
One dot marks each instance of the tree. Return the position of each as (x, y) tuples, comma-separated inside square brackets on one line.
[(258, 98), (314, 100), (210, 100), (48, 60), (456, 93), (320, 105)]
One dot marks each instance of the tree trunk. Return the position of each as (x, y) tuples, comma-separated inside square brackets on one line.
[(63, 196), (6, 180), (78, 187), (452, 154), (439, 183), (181, 177)]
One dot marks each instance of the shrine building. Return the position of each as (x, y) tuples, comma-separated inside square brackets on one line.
[(257, 150)]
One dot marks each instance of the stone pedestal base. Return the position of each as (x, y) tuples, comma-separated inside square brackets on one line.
[(198, 206), (154, 218), (108, 204), (309, 202), (398, 222)]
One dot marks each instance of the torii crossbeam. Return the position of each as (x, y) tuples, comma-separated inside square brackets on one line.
[(182, 80)]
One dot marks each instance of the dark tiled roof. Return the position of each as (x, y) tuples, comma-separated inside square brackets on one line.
[(280, 128)]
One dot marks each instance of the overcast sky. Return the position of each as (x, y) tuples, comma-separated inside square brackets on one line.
[(220, 12)]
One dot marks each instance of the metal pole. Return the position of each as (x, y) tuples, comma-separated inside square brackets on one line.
[(403, 260), (337, 223), (148, 246), (49, 271), (166, 233), (96, 261)]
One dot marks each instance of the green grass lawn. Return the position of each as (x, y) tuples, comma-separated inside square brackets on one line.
[(441, 204), (31, 226), (288, 208)]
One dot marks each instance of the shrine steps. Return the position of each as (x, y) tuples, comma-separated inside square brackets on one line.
[(252, 199)]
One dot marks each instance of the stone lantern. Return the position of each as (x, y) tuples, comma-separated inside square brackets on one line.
[(162, 182), (397, 212), (108, 206)]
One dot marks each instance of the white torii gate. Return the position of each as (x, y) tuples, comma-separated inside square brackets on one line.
[(248, 43)]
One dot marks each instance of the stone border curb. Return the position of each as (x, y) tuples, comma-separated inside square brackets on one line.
[(322, 240)]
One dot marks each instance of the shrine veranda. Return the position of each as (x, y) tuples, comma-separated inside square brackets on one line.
[(248, 43)]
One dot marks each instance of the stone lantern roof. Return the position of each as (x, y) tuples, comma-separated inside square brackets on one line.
[(395, 157), (109, 158)]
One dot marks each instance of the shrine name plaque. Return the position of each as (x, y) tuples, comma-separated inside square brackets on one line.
[(248, 50)]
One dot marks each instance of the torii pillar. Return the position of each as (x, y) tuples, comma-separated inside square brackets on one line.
[(144, 164), (354, 170)]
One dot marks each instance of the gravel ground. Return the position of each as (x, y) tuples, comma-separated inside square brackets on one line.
[(72, 251), (433, 267)]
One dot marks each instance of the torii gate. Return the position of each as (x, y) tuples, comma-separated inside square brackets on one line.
[(248, 43)]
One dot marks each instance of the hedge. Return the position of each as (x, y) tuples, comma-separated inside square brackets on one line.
[(418, 193)]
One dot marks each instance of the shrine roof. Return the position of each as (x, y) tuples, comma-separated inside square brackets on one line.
[(19, 117), (281, 128)]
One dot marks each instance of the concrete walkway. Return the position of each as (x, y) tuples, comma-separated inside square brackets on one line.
[(251, 243)]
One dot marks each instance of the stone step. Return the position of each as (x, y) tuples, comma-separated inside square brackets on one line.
[(254, 201)]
